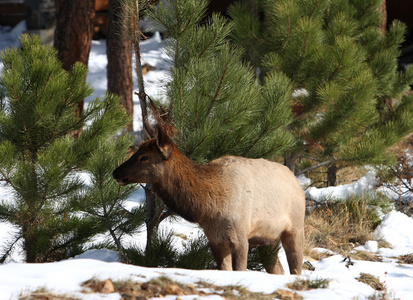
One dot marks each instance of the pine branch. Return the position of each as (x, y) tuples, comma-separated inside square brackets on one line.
[(217, 92), (339, 66), (288, 32), (10, 248), (303, 54)]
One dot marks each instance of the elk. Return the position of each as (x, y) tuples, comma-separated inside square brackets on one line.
[(238, 202)]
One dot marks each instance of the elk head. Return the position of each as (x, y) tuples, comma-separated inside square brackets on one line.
[(147, 165)]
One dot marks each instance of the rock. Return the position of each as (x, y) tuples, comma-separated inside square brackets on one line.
[(173, 289), (107, 287), (284, 294)]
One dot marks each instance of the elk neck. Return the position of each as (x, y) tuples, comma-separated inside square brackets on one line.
[(191, 190)]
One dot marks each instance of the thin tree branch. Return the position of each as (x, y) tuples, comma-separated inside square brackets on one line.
[(317, 166)]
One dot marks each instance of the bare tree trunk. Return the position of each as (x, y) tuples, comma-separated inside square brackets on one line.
[(332, 175), (289, 161), (119, 53), (74, 32), (152, 218)]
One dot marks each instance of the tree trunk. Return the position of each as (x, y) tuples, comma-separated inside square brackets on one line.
[(119, 53), (332, 175), (151, 223), (289, 161), (74, 32)]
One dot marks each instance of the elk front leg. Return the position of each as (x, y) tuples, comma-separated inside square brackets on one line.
[(240, 255), (222, 255)]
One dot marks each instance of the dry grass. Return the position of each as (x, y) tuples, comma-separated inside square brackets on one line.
[(241, 293), (366, 256), (372, 281), (342, 225), (385, 244), (44, 294), (162, 286), (350, 174), (382, 295), (405, 259), (330, 227), (381, 290), (303, 284)]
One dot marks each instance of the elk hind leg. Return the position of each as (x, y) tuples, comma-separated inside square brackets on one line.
[(293, 243)]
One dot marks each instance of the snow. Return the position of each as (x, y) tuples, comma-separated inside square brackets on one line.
[(363, 185), (396, 228), (63, 277)]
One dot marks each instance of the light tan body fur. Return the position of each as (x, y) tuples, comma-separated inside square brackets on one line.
[(238, 202)]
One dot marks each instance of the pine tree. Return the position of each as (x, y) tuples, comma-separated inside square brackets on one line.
[(38, 154), (103, 199), (353, 103), (216, 105)]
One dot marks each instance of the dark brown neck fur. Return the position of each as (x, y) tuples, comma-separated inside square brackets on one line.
[(190, 190)]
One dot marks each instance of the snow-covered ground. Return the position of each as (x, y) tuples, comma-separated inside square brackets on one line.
[(66, 276)]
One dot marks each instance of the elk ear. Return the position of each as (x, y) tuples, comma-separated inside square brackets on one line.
[(163, 141)]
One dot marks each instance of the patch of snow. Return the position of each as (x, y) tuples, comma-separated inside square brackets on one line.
[(99, 254), (304, 181), (396, 228), (365, 184), (370, 246)]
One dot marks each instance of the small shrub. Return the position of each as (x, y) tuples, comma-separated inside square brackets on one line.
[(260, 257), (301, 284), (160, 253), (197, 255)]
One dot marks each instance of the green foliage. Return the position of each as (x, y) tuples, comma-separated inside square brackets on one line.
[(103, 198), (41, 96), (356, 105), (39, 155), (216, 104), (196, 255), (260, 257), (160, 253)]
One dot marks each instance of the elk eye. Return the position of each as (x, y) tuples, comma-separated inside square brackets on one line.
[(143, 158)]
